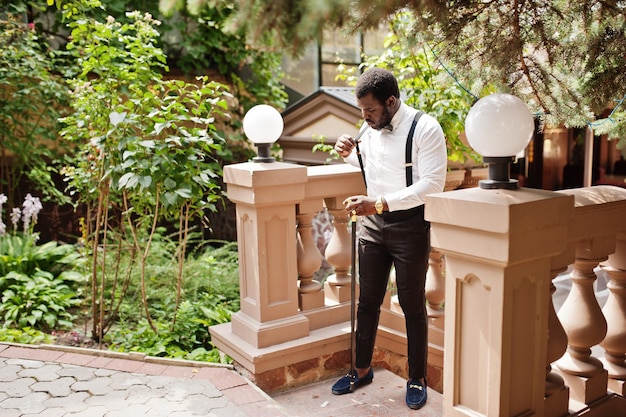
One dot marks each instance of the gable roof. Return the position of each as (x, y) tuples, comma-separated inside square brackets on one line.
[(328, 112)]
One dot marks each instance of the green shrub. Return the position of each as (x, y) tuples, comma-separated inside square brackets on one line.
[(39, 283), (27, 335)]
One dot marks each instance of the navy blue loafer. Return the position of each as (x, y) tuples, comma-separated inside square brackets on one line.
[(416, 394), (351, 381)]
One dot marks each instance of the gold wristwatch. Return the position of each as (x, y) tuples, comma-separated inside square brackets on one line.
[(379, 205)]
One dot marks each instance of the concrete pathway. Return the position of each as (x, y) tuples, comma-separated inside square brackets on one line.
[(51, 381), (59, 381)]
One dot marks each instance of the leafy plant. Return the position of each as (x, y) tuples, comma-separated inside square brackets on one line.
[(40, 301), (39, 283), (26, 335), (426, 84), (149, 146), (322, 146), (32, 97)]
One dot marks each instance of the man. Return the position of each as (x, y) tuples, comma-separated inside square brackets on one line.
[(393, 230)]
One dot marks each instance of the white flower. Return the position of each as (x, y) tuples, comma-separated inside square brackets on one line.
[(15, 216), (31, 208), (3, 227)]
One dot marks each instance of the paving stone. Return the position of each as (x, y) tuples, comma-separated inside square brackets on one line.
[(266, 409), (100, 363), (179, 389), (9, 373), (162, 407), (123, 381), (27, 353), (25, 363), (222, 378), (50, 412), (180, 371), (48, 372), (140, 394), (73, 403), (201, 405), (79, 373), (124, 365), (151, 369), (104, 372), (114, 400), (135, 410), (99, 411), (18, 387), (31, 403), (228, 411), (97, 386), (76, 358), (243, 395), (11, 412), (61, 387), (211, 391), (160, 381)]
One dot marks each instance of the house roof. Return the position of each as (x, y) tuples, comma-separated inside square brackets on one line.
[(344, 94)]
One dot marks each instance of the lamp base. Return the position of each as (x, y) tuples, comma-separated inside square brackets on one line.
[(503, 185), (263, 159), (264, 154), (499, 174)]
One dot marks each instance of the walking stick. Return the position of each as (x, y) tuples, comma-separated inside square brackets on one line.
[(353, 218), (358, 154), (353, 303)]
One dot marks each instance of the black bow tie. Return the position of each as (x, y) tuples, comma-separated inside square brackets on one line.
[(389, 128)]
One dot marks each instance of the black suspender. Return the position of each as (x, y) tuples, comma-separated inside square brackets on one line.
[(408, 165)]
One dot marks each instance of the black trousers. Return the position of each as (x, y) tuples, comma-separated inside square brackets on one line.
[(401, 239)]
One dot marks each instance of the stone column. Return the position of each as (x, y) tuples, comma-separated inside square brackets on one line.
[(498, 246), (266, 195)]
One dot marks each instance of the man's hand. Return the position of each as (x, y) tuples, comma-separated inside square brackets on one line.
[(360, 205), (344, 145)]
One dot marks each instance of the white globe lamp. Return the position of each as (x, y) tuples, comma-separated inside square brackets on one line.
[(263, 125), (499, 126)]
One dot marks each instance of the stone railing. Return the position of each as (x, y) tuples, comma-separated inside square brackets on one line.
[(507, 352), (502, 249)]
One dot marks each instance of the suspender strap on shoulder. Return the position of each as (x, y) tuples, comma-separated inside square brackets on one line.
[(409, 150)]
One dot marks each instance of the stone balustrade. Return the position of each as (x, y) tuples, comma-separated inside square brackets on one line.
[(508, 352)]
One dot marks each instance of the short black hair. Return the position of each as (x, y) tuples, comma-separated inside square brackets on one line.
[(380, 82)]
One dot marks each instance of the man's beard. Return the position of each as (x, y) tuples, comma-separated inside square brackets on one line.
[(385, 120)]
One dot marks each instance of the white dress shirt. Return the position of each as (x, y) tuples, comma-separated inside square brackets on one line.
[(383, 154)]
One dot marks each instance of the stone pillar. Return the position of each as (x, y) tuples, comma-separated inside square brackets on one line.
[(498, 246), (266, 195)]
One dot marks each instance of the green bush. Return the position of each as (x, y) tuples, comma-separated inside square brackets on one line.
[(39, 283), (40, 301)]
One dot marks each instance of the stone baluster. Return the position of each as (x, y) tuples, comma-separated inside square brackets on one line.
[(435, 284), (309, 262), (614, 311), (557, 393), (614, 343), (338, 255), (598, 217), (585, 327)]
